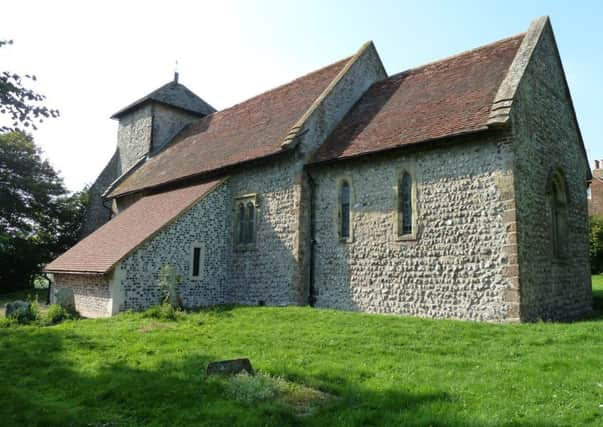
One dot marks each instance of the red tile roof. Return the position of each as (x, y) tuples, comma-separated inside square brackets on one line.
[(250, 130), (445, 98), (103, 249)]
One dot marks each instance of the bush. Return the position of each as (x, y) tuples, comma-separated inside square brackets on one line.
[(25, 314), (6, 322), (57, 314), (163, 312), (595, 233), (251, 388)]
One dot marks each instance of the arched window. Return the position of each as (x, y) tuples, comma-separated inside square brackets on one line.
[(344, 211), (246, 212), (405, 205), (557, 206), (250, 223), (241, 224)]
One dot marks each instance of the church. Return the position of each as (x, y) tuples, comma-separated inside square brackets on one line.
[(453, 190)]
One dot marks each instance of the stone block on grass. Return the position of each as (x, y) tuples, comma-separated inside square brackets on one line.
[(230, 367)]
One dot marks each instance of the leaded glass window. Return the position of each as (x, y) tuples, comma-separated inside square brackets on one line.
[(249, 223)]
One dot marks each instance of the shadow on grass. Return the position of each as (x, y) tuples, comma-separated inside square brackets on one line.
[(598, 300), (597, 313), (55, 376)]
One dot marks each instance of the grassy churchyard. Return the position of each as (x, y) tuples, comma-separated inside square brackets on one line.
[(316, 367)]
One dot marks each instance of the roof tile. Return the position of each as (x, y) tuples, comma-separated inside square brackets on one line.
[(250, 130), (445, 98), (103, 249)]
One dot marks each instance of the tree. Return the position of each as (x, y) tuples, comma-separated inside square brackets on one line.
[(595, 233), (21, 105), (39, 219)]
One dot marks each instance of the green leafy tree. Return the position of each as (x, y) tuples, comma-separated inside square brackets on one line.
[(596, 243), (20, 107), (39, 219)]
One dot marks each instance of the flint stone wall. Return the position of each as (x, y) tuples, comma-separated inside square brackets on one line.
[(275, 271), (96, 213), (268, 272), (92, 293), (134, 136), (167, 123), (458, 265), (204, 224), (547, 139)]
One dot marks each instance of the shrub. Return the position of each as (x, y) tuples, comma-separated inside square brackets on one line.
[(6, 322), (25, 314), (251, 388), (595, 233), (163, 312), (35, 308), (57, 314)]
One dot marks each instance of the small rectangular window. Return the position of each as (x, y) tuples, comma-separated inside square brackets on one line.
[(344, 210), (406, 202), (196, 261)]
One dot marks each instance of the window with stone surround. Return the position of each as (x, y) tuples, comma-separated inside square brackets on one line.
[(245, 209), (344, 214), (556, 198), (406, 210)]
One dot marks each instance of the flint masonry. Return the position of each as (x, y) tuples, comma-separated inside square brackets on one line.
[(453, 190)]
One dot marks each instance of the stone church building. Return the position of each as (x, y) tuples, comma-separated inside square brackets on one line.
[(453, 190)]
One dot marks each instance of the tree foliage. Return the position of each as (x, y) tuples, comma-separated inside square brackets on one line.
[(39, 219), (20, 105), (596, 243)]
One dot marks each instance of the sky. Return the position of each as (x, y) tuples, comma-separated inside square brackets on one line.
[(92, 58)]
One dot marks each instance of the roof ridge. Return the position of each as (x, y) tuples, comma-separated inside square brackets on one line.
[(442, 99), (303, 76), (156, 94), (291, 137), (456, 55)]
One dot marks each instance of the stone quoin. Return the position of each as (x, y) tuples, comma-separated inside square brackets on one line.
[(453, 190)]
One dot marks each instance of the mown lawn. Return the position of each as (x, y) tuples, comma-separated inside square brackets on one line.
[(381, 370)]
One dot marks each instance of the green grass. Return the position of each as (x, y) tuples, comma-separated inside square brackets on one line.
[(376, 370)]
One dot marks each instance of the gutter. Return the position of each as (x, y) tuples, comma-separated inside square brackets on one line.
[(476, 131), (85, 273), (188, 180), (123, 176)]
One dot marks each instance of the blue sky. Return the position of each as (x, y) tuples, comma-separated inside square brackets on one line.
[(91, 59)]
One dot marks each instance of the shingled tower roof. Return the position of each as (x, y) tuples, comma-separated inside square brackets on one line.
[(173, 94)]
